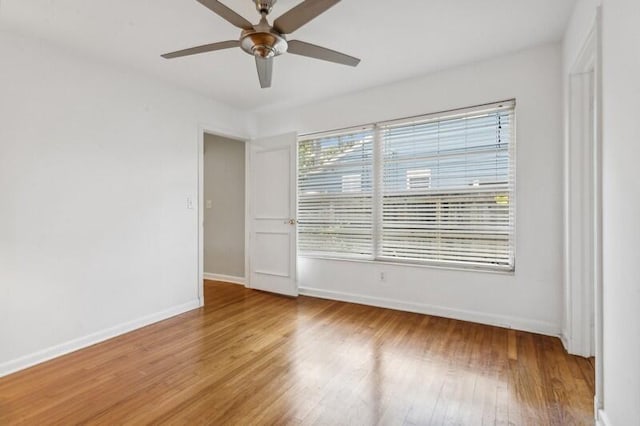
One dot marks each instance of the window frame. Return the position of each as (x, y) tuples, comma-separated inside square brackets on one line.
[(378, 165)]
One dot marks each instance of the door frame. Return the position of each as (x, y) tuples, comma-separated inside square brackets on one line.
[(215, 131), (584, 294), (581, 212)]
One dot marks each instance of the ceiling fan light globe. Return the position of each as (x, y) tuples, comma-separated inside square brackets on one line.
[(263, 51)]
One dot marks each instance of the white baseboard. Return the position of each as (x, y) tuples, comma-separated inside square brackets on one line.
[(516, 323), (225, 278), (30, 360), (572, 348), (602, 419), (565, 341)]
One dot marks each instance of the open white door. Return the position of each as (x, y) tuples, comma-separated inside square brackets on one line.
[(272, 206)]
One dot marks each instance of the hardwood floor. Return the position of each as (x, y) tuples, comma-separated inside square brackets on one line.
[(249, 357)]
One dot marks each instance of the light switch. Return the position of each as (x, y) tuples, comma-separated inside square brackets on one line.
[(209, 204)]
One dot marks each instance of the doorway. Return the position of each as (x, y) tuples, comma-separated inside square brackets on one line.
[(222, 206)]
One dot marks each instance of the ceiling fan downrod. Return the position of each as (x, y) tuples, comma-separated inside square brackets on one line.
[(264, 6)]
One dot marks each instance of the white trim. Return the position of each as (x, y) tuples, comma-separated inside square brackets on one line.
[(597, 267), (522, 324), (200, 218), (602, 419), (225, 278), (587, 56), (384, 262), (30, 360), (564, 340), (583, 201), (579, 215), (247, 216)]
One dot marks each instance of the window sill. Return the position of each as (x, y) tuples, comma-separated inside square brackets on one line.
[(479, 269)]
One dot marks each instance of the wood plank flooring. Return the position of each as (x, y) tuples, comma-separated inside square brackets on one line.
[(249, 357)]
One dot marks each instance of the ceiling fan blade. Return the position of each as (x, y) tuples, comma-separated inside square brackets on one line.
[(298, 47), (228, 14), (202, 49), (301, 14), (265, 69)]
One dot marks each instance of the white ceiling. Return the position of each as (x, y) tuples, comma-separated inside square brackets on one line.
[(395, 40)]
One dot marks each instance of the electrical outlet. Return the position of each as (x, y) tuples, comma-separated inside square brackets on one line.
[(383, 276), (189, 203), (209, 204)]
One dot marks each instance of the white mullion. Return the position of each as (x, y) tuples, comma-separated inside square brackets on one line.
[(378, 166), (512, 186)]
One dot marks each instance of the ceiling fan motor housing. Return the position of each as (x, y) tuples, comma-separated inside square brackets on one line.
[(263, 42)]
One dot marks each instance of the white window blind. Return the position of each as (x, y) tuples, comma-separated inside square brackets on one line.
[(335, 194), (437, 189), (463, 213)]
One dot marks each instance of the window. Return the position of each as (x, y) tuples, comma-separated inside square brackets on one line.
[(335, 195), (441, 191)]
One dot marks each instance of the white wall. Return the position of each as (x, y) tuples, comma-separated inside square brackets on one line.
[(621, 210), (530, 299), (224, 221), (96, 165)]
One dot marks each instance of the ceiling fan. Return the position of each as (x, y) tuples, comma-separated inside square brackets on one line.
[(264, 41)]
